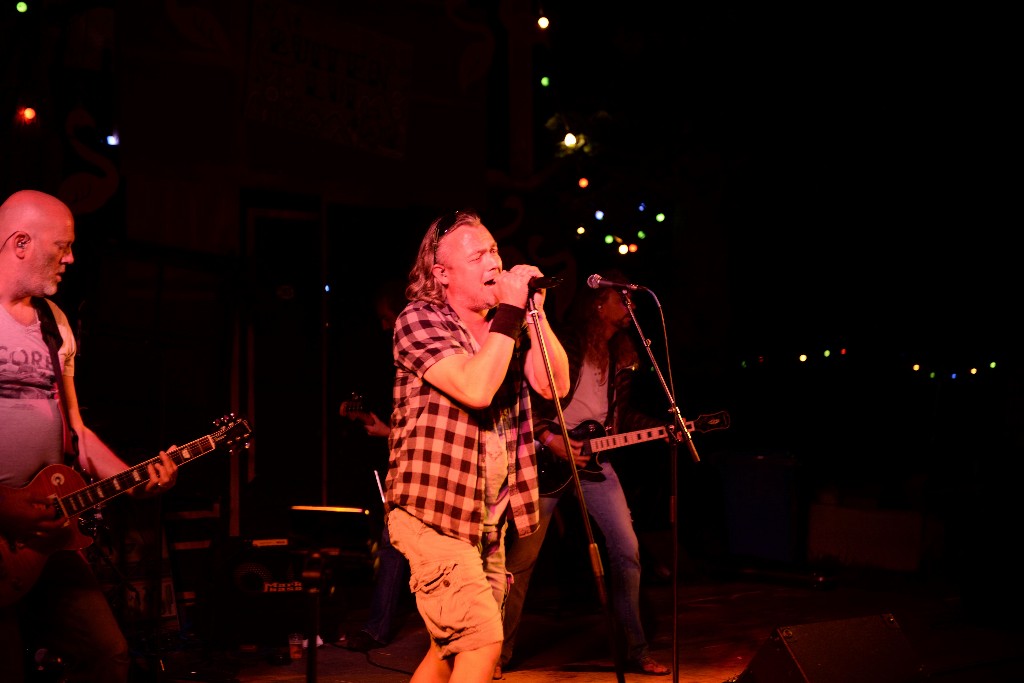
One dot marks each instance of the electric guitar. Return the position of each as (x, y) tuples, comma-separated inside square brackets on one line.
[(556, 475), (68, 496)]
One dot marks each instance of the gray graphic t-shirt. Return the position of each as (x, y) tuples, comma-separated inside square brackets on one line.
[(31, 428)]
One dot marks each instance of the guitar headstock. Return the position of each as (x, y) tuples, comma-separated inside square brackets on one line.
[(711, 422), (355, 403), (232, 431), (354, 409)]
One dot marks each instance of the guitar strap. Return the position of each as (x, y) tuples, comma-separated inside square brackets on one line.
[(51, 335), (611, 420)]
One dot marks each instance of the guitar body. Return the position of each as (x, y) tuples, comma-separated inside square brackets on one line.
[(555, 473), (68, 496), (21, 562)]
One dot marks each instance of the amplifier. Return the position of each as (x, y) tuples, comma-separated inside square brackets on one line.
[(267, 594)]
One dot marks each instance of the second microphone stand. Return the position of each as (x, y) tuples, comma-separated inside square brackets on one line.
[(681, 434)]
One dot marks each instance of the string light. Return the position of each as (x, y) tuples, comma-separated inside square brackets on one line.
[(965, 374), (573, 137)]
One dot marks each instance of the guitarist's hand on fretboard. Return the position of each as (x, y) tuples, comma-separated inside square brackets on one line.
[(376, 426), (163, 474)]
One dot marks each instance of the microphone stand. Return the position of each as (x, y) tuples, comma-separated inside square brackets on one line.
[(681, 433), (594, 551)]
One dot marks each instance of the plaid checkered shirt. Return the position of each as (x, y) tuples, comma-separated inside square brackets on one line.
[(436, 470)]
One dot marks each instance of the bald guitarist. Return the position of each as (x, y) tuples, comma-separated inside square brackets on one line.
[(42, 432)]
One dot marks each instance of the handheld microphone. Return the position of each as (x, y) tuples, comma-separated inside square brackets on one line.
[(544, 282), (595, 281)]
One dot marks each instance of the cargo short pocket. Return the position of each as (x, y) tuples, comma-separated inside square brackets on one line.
[(444, 610)]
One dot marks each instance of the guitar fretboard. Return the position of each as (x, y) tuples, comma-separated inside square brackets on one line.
[(102, 491), (605, 443)]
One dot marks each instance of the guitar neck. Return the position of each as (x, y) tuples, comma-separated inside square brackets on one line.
[(111, 487), (605, 443)]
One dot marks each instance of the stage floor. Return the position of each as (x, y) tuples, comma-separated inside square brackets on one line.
[(751, 626)]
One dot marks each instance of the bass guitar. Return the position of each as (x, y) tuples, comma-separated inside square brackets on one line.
[(556, 475), (68, 496)]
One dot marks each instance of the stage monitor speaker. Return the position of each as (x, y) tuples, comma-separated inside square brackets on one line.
[(846, 651)]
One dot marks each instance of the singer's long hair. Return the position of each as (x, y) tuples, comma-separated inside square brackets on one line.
[(423, 286), (583, 318)]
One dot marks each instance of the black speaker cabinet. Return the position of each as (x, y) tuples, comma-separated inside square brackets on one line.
[(264, 593), (846, 651), (761, 506), (262, 598)]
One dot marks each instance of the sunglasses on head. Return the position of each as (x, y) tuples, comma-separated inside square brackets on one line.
[(444, 225)]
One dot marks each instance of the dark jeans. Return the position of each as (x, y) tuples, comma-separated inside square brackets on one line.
[(390, 585), (607, 506), (66, 612)]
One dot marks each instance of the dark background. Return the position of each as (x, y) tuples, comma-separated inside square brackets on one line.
[(834, 179)]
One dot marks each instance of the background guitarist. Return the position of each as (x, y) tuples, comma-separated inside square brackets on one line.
[(63, 603), (391, 580), (602, 359)]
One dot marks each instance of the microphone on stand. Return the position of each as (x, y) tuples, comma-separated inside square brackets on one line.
[(595, 281)]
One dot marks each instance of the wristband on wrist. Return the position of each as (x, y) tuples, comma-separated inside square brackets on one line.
[(547, 439), (508, 320)]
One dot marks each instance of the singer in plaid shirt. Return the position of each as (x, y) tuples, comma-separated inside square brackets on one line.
[(463, 461), (439, 481)]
